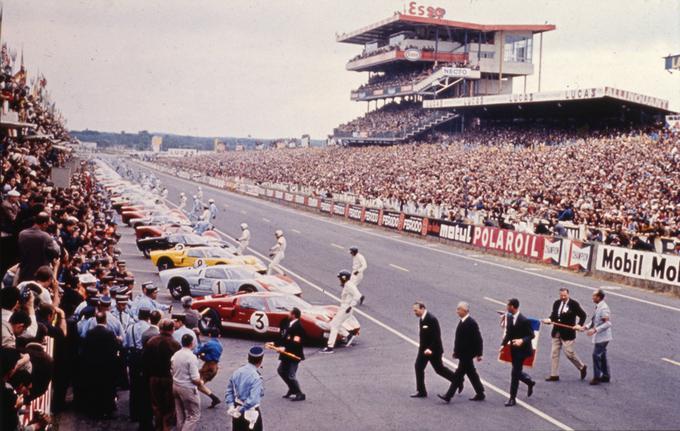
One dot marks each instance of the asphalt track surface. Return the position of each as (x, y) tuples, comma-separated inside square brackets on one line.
[(366, 386)]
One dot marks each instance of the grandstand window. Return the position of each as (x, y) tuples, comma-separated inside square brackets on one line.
[(518, 48), (486, 54)]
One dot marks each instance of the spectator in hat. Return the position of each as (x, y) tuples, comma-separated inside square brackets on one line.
[(112, 323), (181, 329), (149, 299), (36, 247), (88, 283)]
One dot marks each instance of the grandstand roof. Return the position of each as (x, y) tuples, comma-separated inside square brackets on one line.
[(399, 22)]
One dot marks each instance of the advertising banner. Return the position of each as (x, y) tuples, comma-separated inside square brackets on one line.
[(326, 206), (355, 212), (278, 194), (552, 250), (312, 202), (299, 199), (414, 224), (453, 231), (644, 265), (269, 193), (391, 220), (288, 197), (339, 209), (579, 256), (509, 241), (371, 215)]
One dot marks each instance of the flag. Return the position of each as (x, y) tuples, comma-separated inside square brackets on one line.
[(505, 356)]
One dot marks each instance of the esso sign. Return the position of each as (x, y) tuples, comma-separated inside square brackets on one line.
[(412, 54), (415, 9)]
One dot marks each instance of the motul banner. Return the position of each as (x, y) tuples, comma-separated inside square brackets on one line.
[(509, 241), (326, 206), (645, 265), (372, 216), (391, 220), (339, 209), (355, 212), (459, 232), (414, 224)]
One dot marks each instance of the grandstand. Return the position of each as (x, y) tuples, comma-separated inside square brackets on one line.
[(428, 73)]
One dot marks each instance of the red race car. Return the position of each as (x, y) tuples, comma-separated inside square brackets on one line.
[(150, 231), (263, 312)]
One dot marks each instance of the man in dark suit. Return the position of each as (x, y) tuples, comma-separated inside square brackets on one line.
[(430, 349), (156, 357), (518, 334), (292, 337), (36, 247), (564, 312), (467, 346), (100, 356)]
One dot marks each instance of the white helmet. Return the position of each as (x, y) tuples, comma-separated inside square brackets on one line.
[(278, 233), (244, 226), (211, 201), (195, 197), (181, 194), (199, 187)]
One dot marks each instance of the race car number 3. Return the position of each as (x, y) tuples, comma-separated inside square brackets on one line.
[(259, 321)]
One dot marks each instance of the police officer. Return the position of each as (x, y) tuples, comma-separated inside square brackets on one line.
[(359, 265), (121, 311), (191, 316), (348, 300), (277, 253), (244, 239), (244, 393), (148, 300), (213, 209)]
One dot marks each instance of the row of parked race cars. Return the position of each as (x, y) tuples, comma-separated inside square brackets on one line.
[(232, 292)]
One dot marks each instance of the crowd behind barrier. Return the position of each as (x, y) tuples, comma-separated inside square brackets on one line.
[(574, 250)]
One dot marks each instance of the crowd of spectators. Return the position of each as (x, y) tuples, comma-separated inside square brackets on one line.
[(619, 183), (392, 120), (58, 241), (401, 78)]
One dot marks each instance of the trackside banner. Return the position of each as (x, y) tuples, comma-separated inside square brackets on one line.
[(509, 241), (339, 209), (579, 255), (326, 206), (312, 202), (355, 212), (372, 215), (644, 265), (458, 232), (414, 224), (391, 220)]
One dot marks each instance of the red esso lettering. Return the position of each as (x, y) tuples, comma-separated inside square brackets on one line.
[(421, 10), (431, 12), (412, 8)]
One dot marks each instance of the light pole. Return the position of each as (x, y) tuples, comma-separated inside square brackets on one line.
[(466, 180)]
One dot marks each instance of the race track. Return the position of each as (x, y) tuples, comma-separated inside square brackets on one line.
[(366, 386)]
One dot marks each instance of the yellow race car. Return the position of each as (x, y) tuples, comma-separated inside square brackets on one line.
[(199, 256)]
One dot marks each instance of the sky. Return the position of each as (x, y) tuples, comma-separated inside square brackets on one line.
[(273, 68)]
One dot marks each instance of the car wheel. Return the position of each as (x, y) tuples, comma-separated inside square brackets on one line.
[(165, 263), (247, 288), (178, 288), (210, 320)]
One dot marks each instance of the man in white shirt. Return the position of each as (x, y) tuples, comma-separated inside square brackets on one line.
[(244, 239), (277, 253), (186, 379), (359, 265), (348, 300)]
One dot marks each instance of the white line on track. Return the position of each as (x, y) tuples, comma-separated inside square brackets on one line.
[(495, 301), (532, 268), (337, 246), (670, 361), (295, 230), (404, 337), (401, 268), (473, 257), (244, 212), (264, 219)]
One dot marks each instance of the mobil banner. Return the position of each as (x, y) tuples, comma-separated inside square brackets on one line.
[(355, 212), (391, 220), (644, 265), (372, 215), (459, 232), (414, 224), (326, 206), (339, 209), (509, 241)]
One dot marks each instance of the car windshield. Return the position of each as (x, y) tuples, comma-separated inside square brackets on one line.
[(239, 274), (287, 303), (219, 252), (193, 239)]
